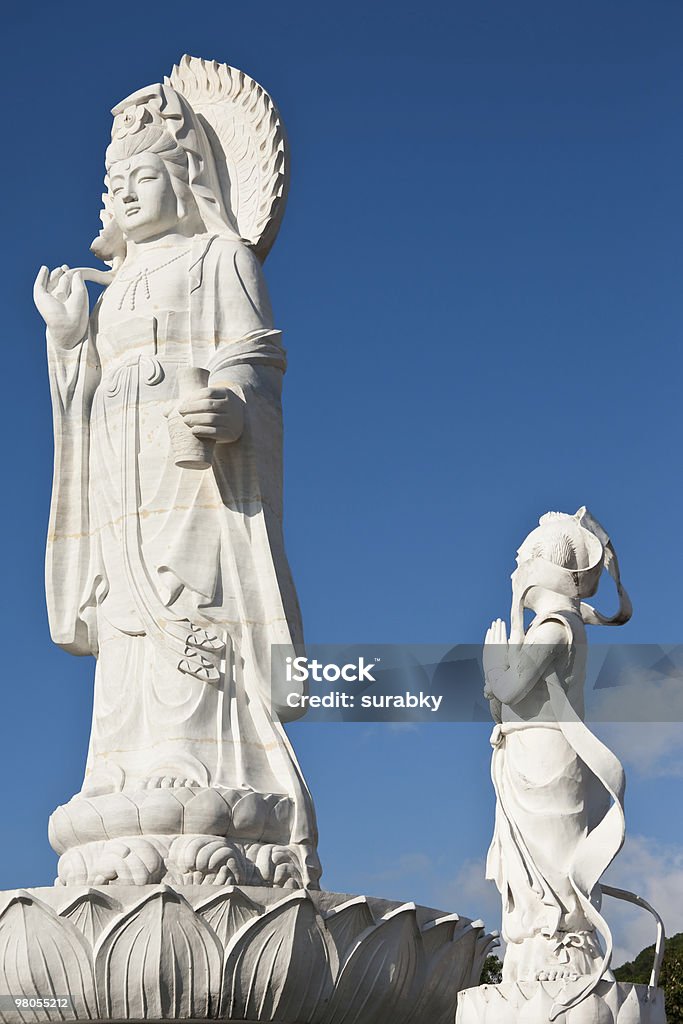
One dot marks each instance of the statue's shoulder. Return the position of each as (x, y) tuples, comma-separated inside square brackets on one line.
[(553, 630), (229, 255), (227, 267)]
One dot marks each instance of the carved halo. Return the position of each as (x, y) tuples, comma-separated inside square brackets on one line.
[(249, 140)]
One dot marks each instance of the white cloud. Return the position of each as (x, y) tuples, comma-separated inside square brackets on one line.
[(653, 749), (470, 894), (654, 871), (653, 698), (406, 865)]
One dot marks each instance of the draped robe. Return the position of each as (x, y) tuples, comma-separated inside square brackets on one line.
[(559, 824), (176, 579)]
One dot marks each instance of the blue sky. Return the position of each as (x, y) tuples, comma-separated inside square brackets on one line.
[(478, 278)]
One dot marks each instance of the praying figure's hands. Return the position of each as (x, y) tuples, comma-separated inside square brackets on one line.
[(62, 301), (496, 656), (214, 413)]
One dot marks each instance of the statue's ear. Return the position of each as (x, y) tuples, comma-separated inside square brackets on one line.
[(110, 243)]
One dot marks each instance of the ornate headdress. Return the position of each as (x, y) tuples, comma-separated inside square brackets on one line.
[(567, 554), (233, 139)]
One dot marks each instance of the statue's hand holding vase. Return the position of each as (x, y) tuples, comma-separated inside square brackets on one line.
[(204, 417)]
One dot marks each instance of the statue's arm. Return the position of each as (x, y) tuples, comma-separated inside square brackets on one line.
[(243, 309), (243, 303), (528, 663), (63, 302)]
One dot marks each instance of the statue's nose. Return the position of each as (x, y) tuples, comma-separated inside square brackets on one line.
[(129, 197)]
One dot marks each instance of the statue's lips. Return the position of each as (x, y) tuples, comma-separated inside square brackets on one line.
[(131, 210)]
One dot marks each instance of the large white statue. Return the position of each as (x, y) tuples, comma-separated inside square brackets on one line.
[(559, 791), (165, 553), (166, 561)]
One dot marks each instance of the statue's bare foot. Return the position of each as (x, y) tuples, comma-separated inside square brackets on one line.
[(554, 973), (169, 782)]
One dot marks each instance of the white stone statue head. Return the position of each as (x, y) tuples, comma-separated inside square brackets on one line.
[(565, 555), (560, 539), (162, 174)]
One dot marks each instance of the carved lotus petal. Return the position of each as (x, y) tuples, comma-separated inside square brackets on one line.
[(42, 954), (78, 818), (594, 1010), (249, 816), (642, 1004), (449, 947), (536, 1002), (281, 966), (161, 812), (346, 921), (118, 814), (282, 812), (231, 796), (382, 974), (228, 911), (208, 812), (631, 1010), (613, 996), (439, 932), (91, 912), (497, 1008), (158, 960), (60, 831)]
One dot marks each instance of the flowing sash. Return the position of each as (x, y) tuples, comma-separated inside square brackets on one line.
[(599, 847)]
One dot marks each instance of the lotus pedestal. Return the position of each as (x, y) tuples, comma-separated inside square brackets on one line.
[(201, 952)]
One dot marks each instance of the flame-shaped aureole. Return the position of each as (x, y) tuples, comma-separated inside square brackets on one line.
[(245, 125)]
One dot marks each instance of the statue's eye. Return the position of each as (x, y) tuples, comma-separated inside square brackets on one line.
[(148, 177)]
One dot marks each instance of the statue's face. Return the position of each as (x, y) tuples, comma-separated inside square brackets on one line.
[(144, 202)]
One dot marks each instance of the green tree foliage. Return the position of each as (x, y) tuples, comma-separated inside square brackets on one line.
[(492, 971), (671, 979)]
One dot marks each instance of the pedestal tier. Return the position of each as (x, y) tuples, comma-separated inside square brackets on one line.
[(196, 953), (532, 1002)]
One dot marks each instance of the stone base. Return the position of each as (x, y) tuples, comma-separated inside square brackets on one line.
[(531, 1003), (181, 835), (201, 952)]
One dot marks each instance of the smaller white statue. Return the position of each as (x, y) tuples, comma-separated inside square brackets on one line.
[(559, 790)]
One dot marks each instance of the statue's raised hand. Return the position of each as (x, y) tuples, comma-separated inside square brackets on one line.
[(62, 301)]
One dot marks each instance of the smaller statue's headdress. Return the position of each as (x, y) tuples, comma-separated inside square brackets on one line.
[(566, 554)]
